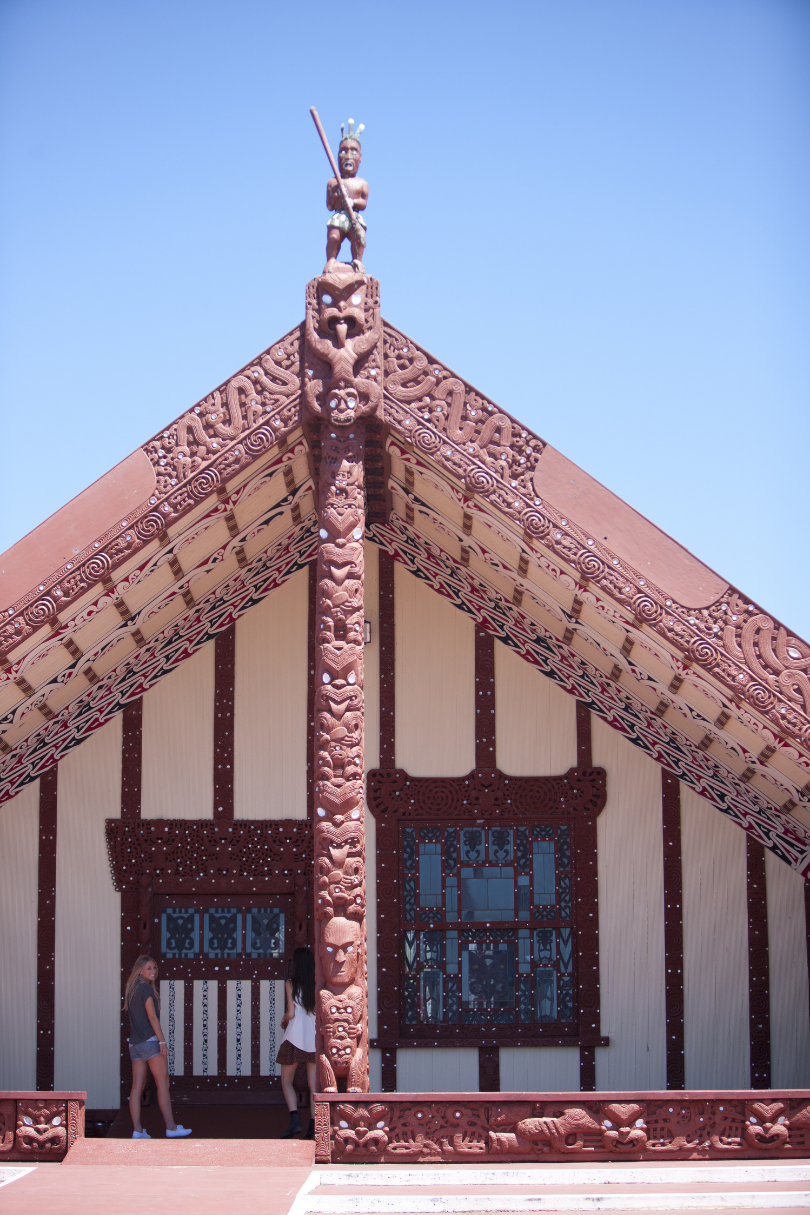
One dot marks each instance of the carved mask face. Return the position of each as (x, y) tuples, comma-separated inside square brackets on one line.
[(340, 944), (349, 157), (342, 303)]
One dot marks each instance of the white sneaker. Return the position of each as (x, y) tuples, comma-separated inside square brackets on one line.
[(179, 1133), (141, 1135)]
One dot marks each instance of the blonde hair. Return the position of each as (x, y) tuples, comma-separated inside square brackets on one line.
[(135, 975)]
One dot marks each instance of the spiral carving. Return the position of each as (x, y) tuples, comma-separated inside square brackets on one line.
[(96, 567), (205, 483), (149, 526), (647, 609), (760, 697), (40, 611), (535, 524), (704, 652), (427, 440), (479, 480), (259, 440), (590, 564)]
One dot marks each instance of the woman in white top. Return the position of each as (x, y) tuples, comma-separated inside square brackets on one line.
[(298, 1043)]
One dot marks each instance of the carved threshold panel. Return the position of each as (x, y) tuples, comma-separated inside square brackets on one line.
[(39, 1126), (486, 896), (657, 1126)]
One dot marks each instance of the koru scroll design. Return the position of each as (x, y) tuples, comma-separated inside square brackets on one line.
[(685, 1127), (343, 366)]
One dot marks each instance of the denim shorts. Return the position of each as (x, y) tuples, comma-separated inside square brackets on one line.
[(144, 1050)]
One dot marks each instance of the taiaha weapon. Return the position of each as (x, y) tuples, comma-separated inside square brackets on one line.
[(347, 205)]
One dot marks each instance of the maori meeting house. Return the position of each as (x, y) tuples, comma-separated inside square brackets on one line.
[(346, 656)]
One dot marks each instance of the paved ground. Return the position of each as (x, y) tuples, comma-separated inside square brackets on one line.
[(274, 1177)]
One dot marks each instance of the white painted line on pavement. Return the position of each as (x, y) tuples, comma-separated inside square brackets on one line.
[(686, 1173)]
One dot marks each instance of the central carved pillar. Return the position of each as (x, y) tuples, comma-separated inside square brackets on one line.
[(343, 365)]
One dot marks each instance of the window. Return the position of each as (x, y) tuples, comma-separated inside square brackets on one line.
[(488, 925), (222, 932)]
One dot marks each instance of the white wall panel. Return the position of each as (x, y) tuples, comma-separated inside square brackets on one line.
[(787, 951), (375, 1070), (539, 1069), (435, 681), (535, 721), (19, 884), (429, 1069), (631, 916), (715, 947), (88, 922), (178, 741), (270, 705)]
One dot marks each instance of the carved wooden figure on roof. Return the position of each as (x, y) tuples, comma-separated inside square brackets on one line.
[(346, 196)]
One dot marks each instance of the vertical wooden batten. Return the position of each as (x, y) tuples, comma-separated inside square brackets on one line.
[(489, 1057), (387, 663), (587, 1054), (131, 786), (224, 672), (312, 590), (46, 930), (673, 929), (387, 734), (759, 1001)]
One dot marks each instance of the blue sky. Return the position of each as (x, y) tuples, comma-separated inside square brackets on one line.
[(597, 211)]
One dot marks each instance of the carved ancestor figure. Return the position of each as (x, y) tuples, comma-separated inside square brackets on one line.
[(340, 225), (343, 367)]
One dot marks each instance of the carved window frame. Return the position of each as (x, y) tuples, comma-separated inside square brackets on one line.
[(486, 797)]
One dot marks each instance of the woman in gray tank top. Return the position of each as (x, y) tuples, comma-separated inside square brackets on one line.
[(147, 1047)]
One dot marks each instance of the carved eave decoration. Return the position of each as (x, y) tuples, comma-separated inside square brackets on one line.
[(718, 693)]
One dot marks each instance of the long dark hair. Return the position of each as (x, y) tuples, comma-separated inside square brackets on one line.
[(303, 978)]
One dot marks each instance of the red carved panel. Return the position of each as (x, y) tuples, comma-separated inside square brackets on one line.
[(131, 759), (395, 797), (484, 699), (204, 856), (46, 927), (759, 1003), (224, 675), (39, 1126), (673, 929), (465, 1128)]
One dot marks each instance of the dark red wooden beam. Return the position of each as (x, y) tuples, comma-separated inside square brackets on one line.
[(673, 929), (759, 1000), (387, 662), (224, 676), (46, 929), (484, 700)]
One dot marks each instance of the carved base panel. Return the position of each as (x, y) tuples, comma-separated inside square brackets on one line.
[(39, 1126), (554, 1127)]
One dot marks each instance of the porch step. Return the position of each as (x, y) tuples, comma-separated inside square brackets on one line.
[(679, 1186)]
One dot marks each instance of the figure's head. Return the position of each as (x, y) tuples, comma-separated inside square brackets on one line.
[(340, 948), (349, 157)]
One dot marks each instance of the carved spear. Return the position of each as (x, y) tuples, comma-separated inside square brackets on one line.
[(358, 231)]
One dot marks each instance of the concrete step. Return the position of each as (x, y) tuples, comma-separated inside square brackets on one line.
[(677, 1186)]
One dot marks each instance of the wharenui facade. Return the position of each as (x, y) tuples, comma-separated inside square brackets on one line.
[(348, 656)]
